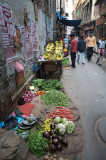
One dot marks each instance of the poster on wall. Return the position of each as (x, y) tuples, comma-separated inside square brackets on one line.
[(34, 37), (28, 43), (6, 26)]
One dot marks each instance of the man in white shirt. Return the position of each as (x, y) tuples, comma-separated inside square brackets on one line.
[(101, 50)]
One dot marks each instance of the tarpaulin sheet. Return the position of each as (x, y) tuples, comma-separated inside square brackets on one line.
[(58, 14), (74, 23), (26, 108)]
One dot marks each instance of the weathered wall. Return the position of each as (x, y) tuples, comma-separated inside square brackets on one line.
[(44, 27), (5, 93)]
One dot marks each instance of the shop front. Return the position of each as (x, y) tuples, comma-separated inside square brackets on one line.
[(86, 29), (100, 27)]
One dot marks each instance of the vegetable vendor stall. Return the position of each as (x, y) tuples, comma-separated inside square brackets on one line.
[(50, 66)]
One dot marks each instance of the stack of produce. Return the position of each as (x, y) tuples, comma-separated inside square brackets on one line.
[(28, 96), (38, 83), (55, 98), (65, 61), (46, 126), (61, 112), (55, 140), (53, 84), (58, 129), (64, 126), (53, 53), (47, 85), (37, 143), (50, 49), (58, 50)]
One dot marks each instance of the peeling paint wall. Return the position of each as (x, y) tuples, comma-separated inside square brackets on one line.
[(44, 29)]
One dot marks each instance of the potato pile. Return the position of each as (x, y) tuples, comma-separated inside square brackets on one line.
[(48, 156)]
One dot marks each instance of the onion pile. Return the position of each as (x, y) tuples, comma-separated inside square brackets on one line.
[(28, 96)]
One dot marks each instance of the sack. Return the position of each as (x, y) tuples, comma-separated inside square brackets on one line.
[(9, 142), (18, 67), (101, 52)]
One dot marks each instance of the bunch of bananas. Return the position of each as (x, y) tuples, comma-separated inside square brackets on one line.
[(50, 49), (59, 50), (53, 52)]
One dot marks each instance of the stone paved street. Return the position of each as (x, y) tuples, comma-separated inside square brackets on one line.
[(85, 86)]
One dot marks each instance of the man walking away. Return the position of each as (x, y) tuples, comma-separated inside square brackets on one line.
[(101, 50), (90, 44), (81, 48), (73, 50)]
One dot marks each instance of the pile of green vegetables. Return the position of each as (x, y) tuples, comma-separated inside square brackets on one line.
[(37, 143), (47, 85), (55, 98), (65, 61), (38, 83)]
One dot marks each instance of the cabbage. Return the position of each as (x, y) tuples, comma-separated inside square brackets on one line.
[(64, 120), (61, 129), (70, 127), (57, 120)]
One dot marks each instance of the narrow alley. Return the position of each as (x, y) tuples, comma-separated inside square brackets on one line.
[(52, 79)]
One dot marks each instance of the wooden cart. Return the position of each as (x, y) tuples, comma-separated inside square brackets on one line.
[(50, 66)]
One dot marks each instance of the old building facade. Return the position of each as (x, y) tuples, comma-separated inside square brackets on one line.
[(89, 12)]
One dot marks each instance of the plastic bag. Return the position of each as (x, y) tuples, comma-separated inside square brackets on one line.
[(35, 66), (18, 67)]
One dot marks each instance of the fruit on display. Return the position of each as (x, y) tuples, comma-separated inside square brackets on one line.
[(50, 49), (46, 126), (54, 53)]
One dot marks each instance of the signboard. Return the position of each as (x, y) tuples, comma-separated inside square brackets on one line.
[(6, 26), (89, 27)]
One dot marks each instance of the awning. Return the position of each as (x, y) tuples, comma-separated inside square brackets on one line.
[(65, 21), (85, 3), (73, 23)]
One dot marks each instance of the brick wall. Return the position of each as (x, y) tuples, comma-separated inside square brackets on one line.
[(7, 72)]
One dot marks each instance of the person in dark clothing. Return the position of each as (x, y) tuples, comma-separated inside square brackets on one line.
[(81, 48), (73, 49)]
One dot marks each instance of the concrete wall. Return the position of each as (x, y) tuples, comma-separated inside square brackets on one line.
[(95, 11), (7, 72), (75, 2)]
